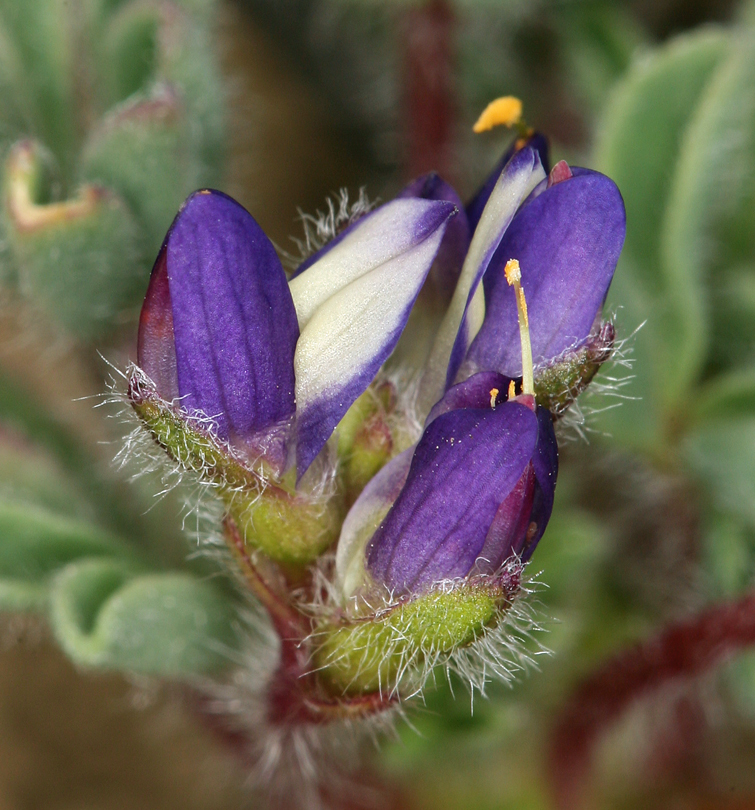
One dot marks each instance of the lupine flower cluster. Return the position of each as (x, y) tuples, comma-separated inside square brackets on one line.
[(379, 426)]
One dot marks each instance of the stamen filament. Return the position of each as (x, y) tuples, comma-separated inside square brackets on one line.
[(514, 276)]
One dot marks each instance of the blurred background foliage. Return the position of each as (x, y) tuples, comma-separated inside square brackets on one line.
[(112, 111)]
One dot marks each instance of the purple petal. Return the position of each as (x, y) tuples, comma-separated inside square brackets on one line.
[(464, 467), (466, 310), (364, 517), (474, 208), (508, 530), (567, 241), (524, 163), (354, 306), (233, 318), (474, 392), (156, 348), (545, 464), (453, 248)]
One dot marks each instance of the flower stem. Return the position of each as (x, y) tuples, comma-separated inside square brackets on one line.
[(680, 651), (295, 696), (429, 94)]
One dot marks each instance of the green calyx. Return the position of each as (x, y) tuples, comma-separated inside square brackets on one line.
[(558, 385), (369, 435), (289, 527), (380, 652)]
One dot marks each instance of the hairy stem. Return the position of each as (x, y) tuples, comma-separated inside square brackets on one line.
[(681, 651), (296, 696)]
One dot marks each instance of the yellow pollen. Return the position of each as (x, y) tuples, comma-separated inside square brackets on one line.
[(512, 390), (506, 111), (513, 273), (493, 395)]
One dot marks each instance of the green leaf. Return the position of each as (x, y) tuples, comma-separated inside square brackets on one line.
[(597, 40), (642, 133), (187, 60), (725, 396), (105, 615), (722, 455), (77, 258), (143, 151), (35, 543), (129, 51), (46, 49), (710, 224), (728, 554)]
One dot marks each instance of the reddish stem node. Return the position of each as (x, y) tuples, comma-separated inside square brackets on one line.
[(681, 651), (295, 695), (429, 91)]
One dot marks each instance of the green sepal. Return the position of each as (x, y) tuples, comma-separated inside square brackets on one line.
[(365, 437), (399, 641), (77, 258), (372, 449), (104, 613), (289, 527), (559, 384)]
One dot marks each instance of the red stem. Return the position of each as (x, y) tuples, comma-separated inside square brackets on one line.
[(681, 651), (295, 696), (429, 91)]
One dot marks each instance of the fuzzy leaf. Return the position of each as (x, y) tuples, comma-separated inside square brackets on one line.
[(643, 130), (142, 150), (104, 614), (722, 455), (77, 258), (35, 543)]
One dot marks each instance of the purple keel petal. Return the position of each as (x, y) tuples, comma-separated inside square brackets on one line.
[(508, 531), (233, 318), (475, 206), (354, 305), (464, 467), (156, 348), (545, 464), (567, 241)]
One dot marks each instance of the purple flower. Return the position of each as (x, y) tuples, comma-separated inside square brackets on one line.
[(275, 364), (567, 238), (477, 491)]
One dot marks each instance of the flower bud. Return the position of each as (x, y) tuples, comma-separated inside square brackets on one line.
[(426, 554), (567, 239), (248, 374)]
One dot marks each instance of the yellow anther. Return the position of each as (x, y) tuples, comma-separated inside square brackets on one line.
[(513, 271), (513, 275), (493, 394), (506, 111), (512, 390)]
